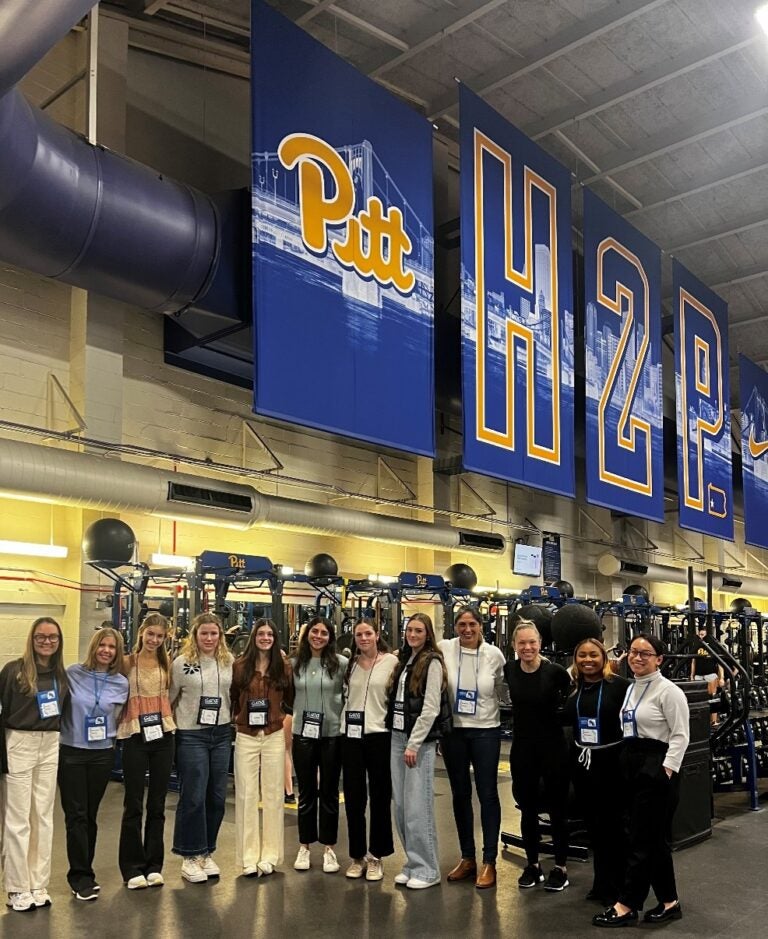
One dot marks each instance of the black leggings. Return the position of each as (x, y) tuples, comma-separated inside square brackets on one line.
[(540, 784)]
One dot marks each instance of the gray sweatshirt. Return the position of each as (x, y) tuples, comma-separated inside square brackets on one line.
[(191, 680), (661, 712)]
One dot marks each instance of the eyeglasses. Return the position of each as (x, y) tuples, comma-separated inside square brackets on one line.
[(643, 655), (45, 640)]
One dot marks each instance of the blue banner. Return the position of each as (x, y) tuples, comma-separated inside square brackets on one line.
[(343, 289), (622, 333), (516, 304), (753, 386), (702, 390)]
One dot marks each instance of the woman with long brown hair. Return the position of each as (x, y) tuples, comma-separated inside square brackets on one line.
[(417, 688), (261, 693), (33, 692), (201, 676), (146, 729)]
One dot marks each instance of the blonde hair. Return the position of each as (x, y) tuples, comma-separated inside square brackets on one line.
[(27, 675), (116, 667), (190, 649), (154, 619)]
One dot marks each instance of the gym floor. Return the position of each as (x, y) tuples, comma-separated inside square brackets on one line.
[(723, 886)]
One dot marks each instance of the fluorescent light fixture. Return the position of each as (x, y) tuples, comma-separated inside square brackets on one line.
[(479, 589), (286, 570), (382, 579), (761, 15), (173, 560), (33, 549)]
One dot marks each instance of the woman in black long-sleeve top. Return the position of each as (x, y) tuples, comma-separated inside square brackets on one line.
[(593, 712), (539, 752)]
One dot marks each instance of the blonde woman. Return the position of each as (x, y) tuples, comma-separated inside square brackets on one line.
[(98, 691), (201, 676), (146, 730), (33, 691)]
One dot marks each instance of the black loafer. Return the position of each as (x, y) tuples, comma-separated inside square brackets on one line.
[(659, 915), (610, 918)]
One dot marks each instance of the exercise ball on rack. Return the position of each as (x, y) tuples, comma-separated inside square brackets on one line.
[(165, 608), (739, 605), (321, 565), (109, 542), (565, 587), (572, 623), (538, 614), (636, 590), (462, 576)]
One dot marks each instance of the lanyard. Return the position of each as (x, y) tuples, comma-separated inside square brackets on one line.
[(98, 691), (367, 684), (630, 691), (477, 666), (159, 683), (218, 679), (599, 702), (306, 687)]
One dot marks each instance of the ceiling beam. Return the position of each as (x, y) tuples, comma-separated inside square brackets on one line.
[(567, 40), (754, 272), (680, 135), (723, 230), (311, 14), (750, 321), (659, 74), (363, 25)]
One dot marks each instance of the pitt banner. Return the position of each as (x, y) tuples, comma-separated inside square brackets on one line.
[(702, 390), (753, 382), (343, 290), (624, 431), (516, 304)]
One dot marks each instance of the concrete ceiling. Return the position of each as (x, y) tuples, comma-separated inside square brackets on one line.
[(660, 106)]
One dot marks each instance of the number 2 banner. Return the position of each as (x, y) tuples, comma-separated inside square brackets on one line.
[(624, 416), (702, 390)]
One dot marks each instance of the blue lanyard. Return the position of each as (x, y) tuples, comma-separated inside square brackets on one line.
[(97, 692), (599, 702)]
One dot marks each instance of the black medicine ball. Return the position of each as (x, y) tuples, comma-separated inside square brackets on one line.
[(572, 623), (109, 542), (462, 576)]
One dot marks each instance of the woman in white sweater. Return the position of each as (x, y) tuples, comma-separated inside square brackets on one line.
[(655, 725), (476, 684)]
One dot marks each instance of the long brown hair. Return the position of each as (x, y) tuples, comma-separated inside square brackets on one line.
[(328, 658), (154, 619), (250, 657), (427, 653), (381, 645), (116, 668), (27, 676), (190, 650)]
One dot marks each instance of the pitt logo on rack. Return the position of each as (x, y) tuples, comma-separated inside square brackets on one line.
[(517, 334), (374, 242)]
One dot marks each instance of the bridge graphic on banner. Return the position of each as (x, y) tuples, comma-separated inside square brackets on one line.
[(276, 224)]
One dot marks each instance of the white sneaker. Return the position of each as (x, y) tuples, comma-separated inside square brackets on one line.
[(373, 869), (402, 878), (192, 870), (265, 868), (416, 884), (302, 862), (251, 870), (356, 868), (139, 882), (21, 901), (210, 866), (41, 897), (330, 861), (155, 879)]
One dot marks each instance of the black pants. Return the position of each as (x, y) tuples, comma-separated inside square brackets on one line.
[(366, 773), (601, 804), (143, 854), (83, 777), (480, 749), (540, 784), (312, 758), (651, 799)]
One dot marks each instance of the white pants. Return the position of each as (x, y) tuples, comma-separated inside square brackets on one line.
[(29, 794), (259, 776)]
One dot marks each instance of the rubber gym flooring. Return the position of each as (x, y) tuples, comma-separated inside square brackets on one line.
[(723, 885)]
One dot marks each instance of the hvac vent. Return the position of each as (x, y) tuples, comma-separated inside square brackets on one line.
[(633, 567), (474, 539), (214, 498)]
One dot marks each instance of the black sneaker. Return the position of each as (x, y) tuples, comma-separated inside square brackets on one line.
[(290, 798), (85, 892), (530, 877), (557, 880)]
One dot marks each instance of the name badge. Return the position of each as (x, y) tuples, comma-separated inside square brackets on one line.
[(151, 726), (589, 732), (466, 701), (398, 716), (355, 725), (628, 723), (258, 712), (208, 712), (48, 703), (95, 728), (312, 725)]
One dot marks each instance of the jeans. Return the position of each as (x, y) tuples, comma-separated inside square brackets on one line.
[(29, 796), (136, 854), (413, 794), (312, 759), (259, 776), (479, 748), (366, 773), (83, 777), (202, 761)]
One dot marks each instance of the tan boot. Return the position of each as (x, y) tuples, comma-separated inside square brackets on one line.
[(487, 877), (464, 870)]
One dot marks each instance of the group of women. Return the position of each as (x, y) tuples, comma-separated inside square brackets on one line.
[(378, 717)]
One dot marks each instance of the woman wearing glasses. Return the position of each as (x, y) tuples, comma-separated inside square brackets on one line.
[(655, 727), (33, 691)]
